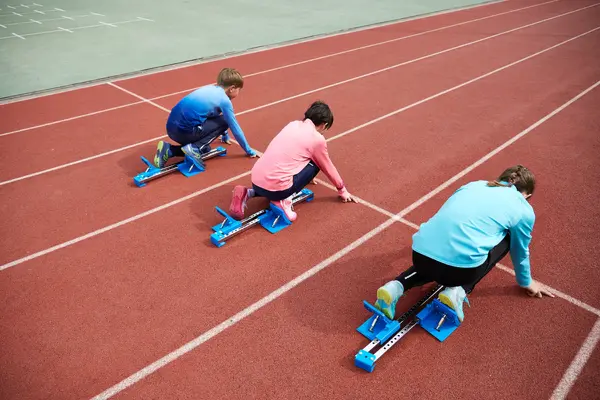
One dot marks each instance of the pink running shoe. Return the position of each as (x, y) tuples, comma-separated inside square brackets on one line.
[(286, 206), (238, 202)]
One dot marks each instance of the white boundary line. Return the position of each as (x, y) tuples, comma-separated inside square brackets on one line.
[(71, 118), (277, 68), (2, 183), (209, 59), (145, 100), (557, 292), (433, 193), (141, 374), (572, 373)]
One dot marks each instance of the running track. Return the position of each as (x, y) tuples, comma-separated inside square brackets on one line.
[(112, 290)]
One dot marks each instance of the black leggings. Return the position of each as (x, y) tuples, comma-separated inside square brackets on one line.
[(425, 270), (301, 179)]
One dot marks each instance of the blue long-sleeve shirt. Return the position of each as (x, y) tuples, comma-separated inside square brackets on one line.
[(474, 220), (207, 102)]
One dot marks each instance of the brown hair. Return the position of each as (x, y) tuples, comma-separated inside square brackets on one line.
[(519, 176), (230, 77)]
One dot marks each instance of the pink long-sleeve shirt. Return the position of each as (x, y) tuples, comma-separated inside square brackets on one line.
[(289, 152)]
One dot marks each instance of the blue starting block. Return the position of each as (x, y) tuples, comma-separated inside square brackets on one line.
[(378, 326), (188, 167), (384, 332), (273, 219), (438, 319)]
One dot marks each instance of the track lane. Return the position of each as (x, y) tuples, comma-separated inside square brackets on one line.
[(123, 202)]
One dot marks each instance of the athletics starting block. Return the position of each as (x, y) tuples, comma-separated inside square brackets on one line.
[(188, 167), (436, 318), (273, 219)]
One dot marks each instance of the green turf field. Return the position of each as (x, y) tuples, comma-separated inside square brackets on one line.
[(54, 43)]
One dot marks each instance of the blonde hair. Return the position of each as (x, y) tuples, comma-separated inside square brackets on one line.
[(230, 77), (518, 176)]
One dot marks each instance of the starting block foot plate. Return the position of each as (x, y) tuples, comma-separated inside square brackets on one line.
[(152, 170), (228, 224), (190, 167), (274, 219), (438, 319), (378, 326)]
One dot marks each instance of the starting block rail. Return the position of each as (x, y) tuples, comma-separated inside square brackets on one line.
[(272, 219), (379, 328), (187, 167)]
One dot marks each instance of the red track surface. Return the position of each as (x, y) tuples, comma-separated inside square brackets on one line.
[(83, 313)]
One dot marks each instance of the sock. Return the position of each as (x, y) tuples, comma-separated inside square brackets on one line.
[(250, 193), (175, 151)]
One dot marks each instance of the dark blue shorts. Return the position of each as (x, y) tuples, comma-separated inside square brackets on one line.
[(201, 135), (301, 179)]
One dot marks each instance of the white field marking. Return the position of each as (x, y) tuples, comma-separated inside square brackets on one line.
[(23, 5), (59, 9), (145, 19), (368, 46), (572, 373), (332, 138), (31, 34), (137, 96), (72, 18), (63, 29), (107, 24), (33, 20), (557, 293), (2, 26), (189, 346), (22, 14), (27, 13), (19, 36), (276, 46)]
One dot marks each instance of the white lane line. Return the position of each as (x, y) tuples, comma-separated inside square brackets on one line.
[(583, 355)]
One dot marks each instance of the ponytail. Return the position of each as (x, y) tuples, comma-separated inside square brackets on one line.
[(517, 176)]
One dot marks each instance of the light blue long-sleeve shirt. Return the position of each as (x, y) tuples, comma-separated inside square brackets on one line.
[(207, 102), (474, 220)]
